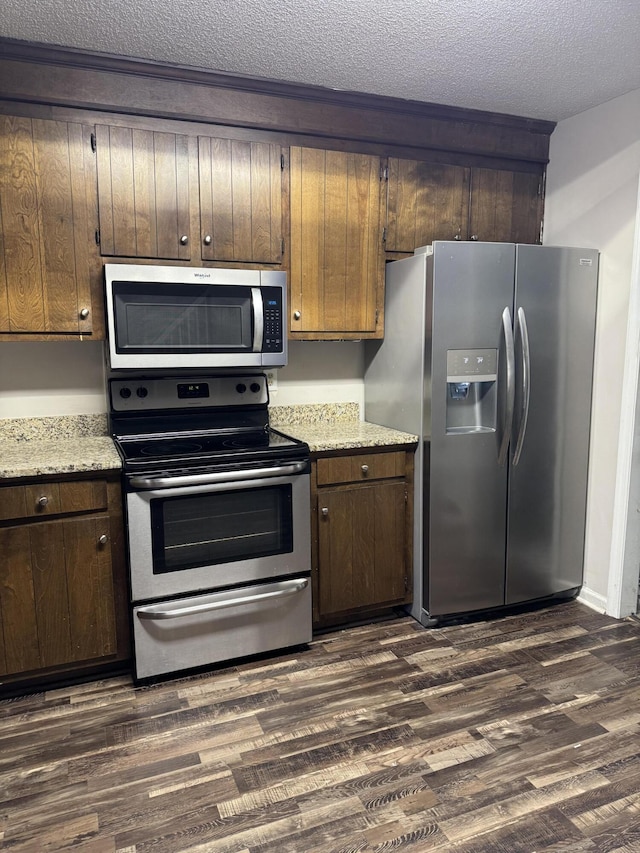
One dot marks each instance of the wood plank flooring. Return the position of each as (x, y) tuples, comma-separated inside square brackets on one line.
[(512, 735)]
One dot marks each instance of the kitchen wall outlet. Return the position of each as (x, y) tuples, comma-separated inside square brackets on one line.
[(272, 380)]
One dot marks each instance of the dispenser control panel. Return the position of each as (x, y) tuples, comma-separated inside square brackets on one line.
[(472, 365)]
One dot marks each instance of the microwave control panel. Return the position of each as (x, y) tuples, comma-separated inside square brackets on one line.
[(272, 307)]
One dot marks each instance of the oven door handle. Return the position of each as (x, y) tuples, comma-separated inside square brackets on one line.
[(217, 477), (158, 611)]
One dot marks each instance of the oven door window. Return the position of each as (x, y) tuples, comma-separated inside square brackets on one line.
[(221, 527), (181, 318)]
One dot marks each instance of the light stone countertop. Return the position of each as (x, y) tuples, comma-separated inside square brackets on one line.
[(334, 426), (37, 447), (345, 436), (40, 447)]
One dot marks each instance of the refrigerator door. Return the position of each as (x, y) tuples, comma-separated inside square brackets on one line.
[(465, 539), (396, 394), (555, 309)]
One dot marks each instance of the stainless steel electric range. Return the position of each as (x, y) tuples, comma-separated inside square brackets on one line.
[(217, 508)]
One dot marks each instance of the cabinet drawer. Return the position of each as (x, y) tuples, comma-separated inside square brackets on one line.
[(47, 498), (357, 468)]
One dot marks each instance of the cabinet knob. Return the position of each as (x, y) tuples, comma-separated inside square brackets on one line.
[(364, 469), (458, 236), (43, 501), (84, 313), (325, 510), (296, 315), (184, 240), (103, 539), (207, 239), (474, 237)]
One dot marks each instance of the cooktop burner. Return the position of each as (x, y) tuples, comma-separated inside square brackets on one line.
[(168, 448)]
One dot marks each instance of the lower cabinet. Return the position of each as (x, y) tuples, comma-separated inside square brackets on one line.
[(362, 533), (62, 578)]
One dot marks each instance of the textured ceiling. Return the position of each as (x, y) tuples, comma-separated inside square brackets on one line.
[(544, 59)]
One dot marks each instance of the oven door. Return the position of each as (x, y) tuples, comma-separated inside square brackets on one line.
[(208, 536)]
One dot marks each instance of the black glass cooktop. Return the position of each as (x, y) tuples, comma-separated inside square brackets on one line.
[(197, 450), (161, 427)]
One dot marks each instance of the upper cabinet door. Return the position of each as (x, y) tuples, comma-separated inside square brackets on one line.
[(143, 193), (425, 202), (240, 200), (337, 269), (45, 173), (506, 207)]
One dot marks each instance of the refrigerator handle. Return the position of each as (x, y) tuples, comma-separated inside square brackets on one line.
[(505, 436), (526, 382)]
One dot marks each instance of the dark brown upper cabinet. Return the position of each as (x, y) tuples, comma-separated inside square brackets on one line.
[(240, 186), (425, 202), (46, 168), (337, 269), (432, 201), (143, 193), (149, 209), (505, 207)]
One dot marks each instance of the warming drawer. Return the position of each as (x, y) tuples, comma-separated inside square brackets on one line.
[(204, 629)]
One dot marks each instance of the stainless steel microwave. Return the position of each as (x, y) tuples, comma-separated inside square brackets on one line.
[(195, 317)]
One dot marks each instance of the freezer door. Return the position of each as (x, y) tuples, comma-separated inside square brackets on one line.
[(472, 287), (555, 311)]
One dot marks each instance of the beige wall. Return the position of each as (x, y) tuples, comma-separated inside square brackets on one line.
[(63, 378), (592, 200), (38, 379)]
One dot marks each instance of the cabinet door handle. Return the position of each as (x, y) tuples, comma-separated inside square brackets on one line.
[(296, 315), (325, 511), (184, 240), (103, 539), (364, 469), (474, 237), (207, 239), (43, 501), (84, 313)]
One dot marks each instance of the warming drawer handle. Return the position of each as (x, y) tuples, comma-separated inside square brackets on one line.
[(217, 477), (156, 611)]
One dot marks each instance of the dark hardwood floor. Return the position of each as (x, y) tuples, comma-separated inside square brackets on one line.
[(514, 735)]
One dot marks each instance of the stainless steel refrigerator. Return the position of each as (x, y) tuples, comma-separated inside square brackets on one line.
[(488, 357)]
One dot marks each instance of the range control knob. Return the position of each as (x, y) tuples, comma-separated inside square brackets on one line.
[(241, 387), (254, 387), (125, 393), (142, 391)]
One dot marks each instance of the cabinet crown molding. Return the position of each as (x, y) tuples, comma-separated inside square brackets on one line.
[(55, 55)]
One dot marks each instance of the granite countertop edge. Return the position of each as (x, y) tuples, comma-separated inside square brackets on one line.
[(343, 436), (37, 447), (42, 457)]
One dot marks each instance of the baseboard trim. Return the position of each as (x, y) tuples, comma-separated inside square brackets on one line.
[(592, 599)]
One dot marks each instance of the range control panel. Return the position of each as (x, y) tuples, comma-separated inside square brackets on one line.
[(144, 393)]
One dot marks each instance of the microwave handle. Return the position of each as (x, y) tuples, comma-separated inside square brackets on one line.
[(257, 308)]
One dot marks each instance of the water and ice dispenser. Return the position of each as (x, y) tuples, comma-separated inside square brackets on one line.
[(471, 390)]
